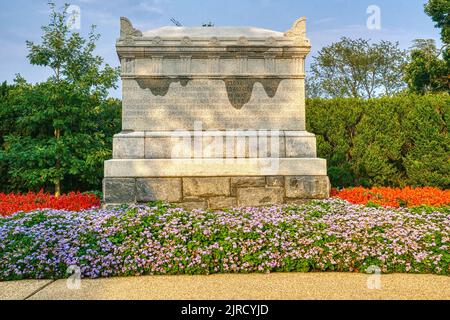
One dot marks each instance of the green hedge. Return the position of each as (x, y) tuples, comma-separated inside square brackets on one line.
[(395, 141), (379, 142)]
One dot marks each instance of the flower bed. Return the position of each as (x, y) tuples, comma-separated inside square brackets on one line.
[(74, 201), (329, 235), (394, 197)]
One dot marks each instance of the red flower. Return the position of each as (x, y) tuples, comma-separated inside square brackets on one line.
[(74, 201), (395, 197)]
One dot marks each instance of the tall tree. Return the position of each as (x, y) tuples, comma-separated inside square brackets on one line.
[(439, 11), (429, 67), (426, 71), (357, 68), (58, 132), (6, 125)]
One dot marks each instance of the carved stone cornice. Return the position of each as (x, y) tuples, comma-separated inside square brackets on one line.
[(298, 32), (192, 39), (127, 30)]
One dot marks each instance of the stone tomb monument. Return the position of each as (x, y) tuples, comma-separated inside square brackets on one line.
[(214, 117)]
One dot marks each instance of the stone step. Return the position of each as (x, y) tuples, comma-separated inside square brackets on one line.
[(214, 144), (215, 167)]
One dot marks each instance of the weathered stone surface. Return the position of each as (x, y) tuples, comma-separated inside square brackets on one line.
[(218, 81), (307, 187), (212, 146), (217, 192), (193, 204), (128, 146), (277, 146), (254, 144), (119, 190), (275, 181), (301, 147), (249, 197), (213, 117), (222, 202), (206, 187), (158, 148), (168, 145), (153, 189), (214, 167), (185, 145), (208, 101), (237, 182), (215, 144)]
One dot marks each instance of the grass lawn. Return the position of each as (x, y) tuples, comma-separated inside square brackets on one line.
[(328, 235)]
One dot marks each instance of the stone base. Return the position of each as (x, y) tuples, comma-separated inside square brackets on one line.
[(215, 183), (217, 192), (214, 144), (170, 168)]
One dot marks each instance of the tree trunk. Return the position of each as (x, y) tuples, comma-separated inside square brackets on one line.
[(58, 160), (57, 188), (58, 166)]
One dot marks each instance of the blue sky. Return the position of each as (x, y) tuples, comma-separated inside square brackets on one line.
[(328, 20)]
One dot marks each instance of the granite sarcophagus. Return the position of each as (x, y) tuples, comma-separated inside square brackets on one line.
[(214, 117)]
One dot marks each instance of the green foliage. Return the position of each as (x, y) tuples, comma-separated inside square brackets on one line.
[(334, 122), (429, 68), (30, 148), (399, 141), (379, 142), (427, 124), (439, 11), (60, 130), (358, 69), (6, 115), (426, 71), (429, 209)]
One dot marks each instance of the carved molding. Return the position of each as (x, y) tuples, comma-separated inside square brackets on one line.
[(157, 41), (214, 64), (271, 41), (243, 41), (242, 64), (186, 41), (129, 41), (156, 65), (298, 29), (214, 41), (185, 64), (299, 65), (127, 30), (270, 66), (128, 66)]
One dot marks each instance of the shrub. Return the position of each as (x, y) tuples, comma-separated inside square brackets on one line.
[(397, 142)]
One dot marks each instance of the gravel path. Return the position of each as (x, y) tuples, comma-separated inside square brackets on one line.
[(296, 286)]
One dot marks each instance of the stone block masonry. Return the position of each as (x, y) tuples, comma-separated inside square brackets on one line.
[(217, 192), (214, 118)]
